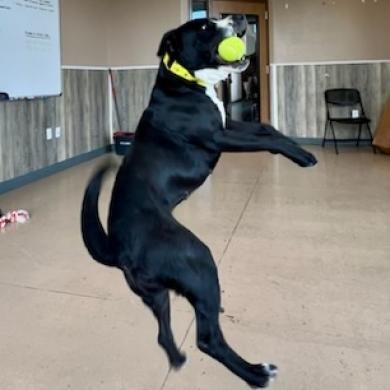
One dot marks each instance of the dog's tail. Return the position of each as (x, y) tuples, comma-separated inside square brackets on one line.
[(94, 236)]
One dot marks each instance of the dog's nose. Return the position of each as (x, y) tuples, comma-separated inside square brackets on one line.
[(239, 24)]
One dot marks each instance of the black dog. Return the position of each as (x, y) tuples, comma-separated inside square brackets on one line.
[(177, 144)]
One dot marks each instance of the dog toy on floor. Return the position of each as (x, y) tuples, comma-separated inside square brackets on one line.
[(15, 216)]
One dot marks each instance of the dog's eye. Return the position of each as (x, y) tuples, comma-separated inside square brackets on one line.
[(204, 27)]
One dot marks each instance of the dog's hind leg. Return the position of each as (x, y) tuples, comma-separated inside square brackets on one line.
[(201, 287), (158, 301), (210, 340)]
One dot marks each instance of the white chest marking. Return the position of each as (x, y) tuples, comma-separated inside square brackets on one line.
[(210, 92), (211, 77)]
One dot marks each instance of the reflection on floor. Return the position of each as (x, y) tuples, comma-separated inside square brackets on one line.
[(303, 257)]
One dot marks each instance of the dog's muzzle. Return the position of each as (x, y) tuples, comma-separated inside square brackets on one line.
[(241, 64)]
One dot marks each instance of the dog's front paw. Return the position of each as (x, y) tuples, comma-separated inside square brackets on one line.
[(300, 156), (265, 374), (307, 159)]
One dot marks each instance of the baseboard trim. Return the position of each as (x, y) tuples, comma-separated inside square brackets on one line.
[(318, 141), (20, 181)]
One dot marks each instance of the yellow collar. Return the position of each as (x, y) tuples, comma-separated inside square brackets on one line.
[(181, 71)]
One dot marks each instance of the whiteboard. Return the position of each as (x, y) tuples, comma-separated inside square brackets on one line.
[(30, 55)]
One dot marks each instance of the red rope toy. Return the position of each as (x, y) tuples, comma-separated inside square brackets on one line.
[(15, 216)]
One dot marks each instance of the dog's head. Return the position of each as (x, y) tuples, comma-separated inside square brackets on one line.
[(194, 45)]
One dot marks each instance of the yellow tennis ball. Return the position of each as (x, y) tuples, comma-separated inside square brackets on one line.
[(232, 49)]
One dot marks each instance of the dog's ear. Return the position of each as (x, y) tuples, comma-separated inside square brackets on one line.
[(169, 44)]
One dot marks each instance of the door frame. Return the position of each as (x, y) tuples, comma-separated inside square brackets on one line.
[(260, 9)]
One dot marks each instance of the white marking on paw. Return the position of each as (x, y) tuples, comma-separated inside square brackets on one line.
[(272, 372)]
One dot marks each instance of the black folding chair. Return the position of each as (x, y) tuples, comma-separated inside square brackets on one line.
[(340, 105)]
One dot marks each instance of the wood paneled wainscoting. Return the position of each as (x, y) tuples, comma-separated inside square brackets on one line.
[(133, 87), (81, 112), (298, 106)]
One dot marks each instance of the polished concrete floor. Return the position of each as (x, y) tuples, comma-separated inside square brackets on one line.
[(304, 262)]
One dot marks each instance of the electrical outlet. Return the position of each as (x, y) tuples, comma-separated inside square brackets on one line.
[(49, 133), (58, 132)]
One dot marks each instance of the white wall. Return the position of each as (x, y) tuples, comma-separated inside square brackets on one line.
[(318, 30)]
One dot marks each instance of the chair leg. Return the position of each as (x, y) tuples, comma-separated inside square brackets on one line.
[(325, 130), (359, 135), (371, 137), (334, 137)]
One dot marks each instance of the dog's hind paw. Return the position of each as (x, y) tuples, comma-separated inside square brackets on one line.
[(265, 373), (178, 361)]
